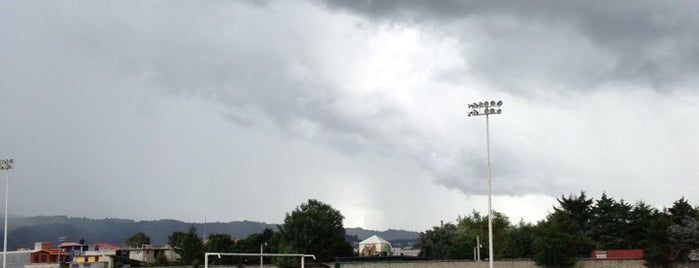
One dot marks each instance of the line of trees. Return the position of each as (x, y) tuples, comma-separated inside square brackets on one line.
[(577, 226), (312, 228)]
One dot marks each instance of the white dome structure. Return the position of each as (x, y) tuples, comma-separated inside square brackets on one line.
[(375, 246)]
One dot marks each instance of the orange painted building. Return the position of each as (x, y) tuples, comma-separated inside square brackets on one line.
[(43, 253)]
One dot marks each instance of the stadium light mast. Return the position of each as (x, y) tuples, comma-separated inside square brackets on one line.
[(6, 164), (487, 108)]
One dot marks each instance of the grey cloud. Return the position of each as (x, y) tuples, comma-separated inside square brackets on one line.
[(646, 43), (285, 69), (265, 76)]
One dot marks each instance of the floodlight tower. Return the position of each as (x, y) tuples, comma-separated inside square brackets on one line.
[(487, 108), (6, 164)]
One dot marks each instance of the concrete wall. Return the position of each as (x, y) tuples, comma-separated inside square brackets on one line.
[(89, 265), (585, 263), (608, 263), (16, 259), (506, 264), (441, 264)]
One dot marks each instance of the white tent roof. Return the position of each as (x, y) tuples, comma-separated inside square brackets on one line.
[(374, 239)]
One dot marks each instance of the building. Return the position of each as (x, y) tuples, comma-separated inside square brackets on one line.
[(105, 255), (617, 254), (145, 253), (103, 247), (72, 249), (81, 255), (17, 259), (43, 253), (96, 260), (42, 256), (375, 246)]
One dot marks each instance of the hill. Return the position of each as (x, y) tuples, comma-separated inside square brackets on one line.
[(398, 238), (24, 231), (389, 234)]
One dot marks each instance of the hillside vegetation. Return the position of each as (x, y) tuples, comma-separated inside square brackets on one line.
[(24, 231)]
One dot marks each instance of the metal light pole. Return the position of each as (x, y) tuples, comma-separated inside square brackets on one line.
[(478, 247), (6, 164), (487, 108), (262, 252)]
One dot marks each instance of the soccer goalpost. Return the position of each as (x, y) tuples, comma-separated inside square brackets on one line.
[(219, 254)]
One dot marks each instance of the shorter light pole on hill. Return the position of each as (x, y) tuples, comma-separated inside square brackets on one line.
[(6, 164)]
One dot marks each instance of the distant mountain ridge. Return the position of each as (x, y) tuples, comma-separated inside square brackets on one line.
[(389, 234), (24, 231)]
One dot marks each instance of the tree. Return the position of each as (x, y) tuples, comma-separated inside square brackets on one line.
[(435, 243), (252, 243), (477, 225), (188, 246), (657, 247), (573, 217), (449, 241), (680, 210), (160, 261), (685, 238), (578, 209), (137, 240), (640, 218), (609, 223), (461, 247), (684, 231), (519, 240), (564, 235), (219, 243), (552, 246), (315, 228)]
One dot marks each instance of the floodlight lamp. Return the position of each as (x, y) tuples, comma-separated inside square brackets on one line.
[(492, 103), (6, 164), (475, 112), (499, 111), (480, 104), (475, 105)]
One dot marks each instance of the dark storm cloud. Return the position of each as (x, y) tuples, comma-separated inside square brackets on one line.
[(644, 43)]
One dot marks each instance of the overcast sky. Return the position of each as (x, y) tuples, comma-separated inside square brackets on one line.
[(242, 110)]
